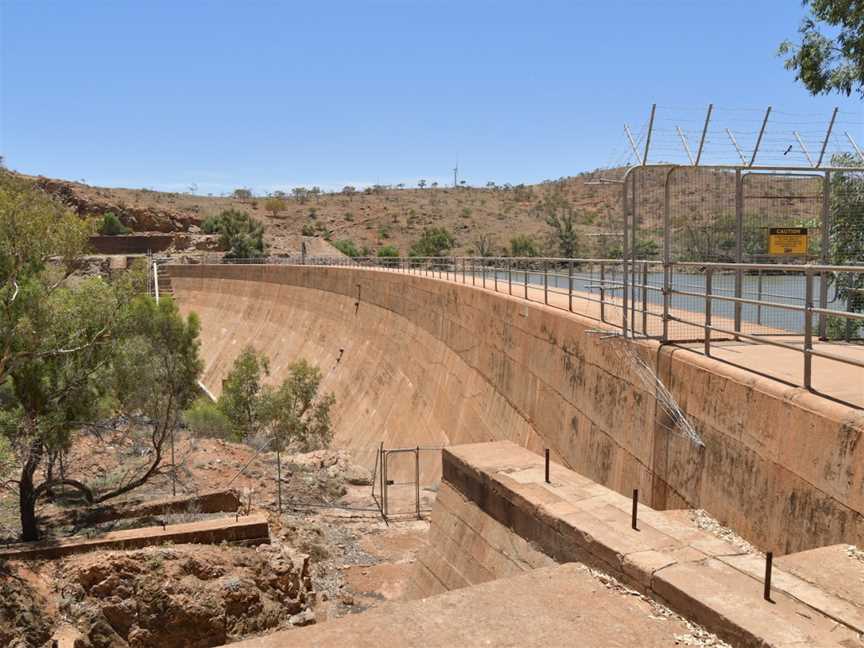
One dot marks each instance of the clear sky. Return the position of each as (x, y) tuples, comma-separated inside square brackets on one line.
[(279, 94)]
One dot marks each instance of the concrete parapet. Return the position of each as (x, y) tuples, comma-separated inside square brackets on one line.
[(252, 530)]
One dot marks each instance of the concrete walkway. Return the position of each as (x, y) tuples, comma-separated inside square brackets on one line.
[(506, 612)]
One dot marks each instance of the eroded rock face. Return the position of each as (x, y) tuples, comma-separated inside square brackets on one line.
[(23, 619), (139, 218), (186, 595)]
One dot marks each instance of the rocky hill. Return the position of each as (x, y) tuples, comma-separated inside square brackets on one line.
[(479, 218)]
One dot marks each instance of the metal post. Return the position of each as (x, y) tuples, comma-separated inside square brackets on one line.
[(708, 280), (547, 465), (473, 273), (803, 148), (509, 276), (495, 271), (279, 478), (759, 297), (525, 278), (827, 137), (737, 148), (417, 478), (667, 248), (684, 144), (854, 146), (625, 251), (648, 136), (384, 481), (545, 282), (759, 138), (769, 563), (825, 244), (739, 244), (632, 143), (483, 270), (602, 292), (808, 328), (704, 133), (635, 509), (645, 298), (570, 285)]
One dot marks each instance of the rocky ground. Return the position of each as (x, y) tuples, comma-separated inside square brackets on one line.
[(330, 554)]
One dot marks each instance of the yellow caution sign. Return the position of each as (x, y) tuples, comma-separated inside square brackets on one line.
[(787, 241)]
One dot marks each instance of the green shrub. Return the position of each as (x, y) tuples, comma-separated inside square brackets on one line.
[(435, 241), (347, 248), (523, 245), (388, 251), (205, 419), (111, 226), (309, 230), (239, 233)]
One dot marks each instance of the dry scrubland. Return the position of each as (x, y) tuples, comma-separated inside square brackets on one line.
[(375, 217)]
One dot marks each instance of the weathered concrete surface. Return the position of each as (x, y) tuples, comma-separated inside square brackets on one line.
[(419, 360), (467, 547), (507, 612), (251, 529), (698, 575), (221, 501)]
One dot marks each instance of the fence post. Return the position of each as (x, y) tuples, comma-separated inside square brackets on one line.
[(826, 254), (667, 253), (417, 478), (483, 270), (602, 292), (739, 245), (808, 328), (708, 280), (570, 286), (759, 297), (509, 276), (645, 298), (525, 277), (545, 281), (495, 272)]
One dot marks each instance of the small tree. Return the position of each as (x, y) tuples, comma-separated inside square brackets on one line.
[(111, 226), (390, 254), (239, 233), (274, 205), (301, 194), (563, 222), (421, 183), (484, 245), (435, 241), (523, 245), (157, 368), (242, 194), (241, 392)]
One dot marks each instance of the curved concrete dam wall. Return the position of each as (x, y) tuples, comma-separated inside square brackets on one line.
[(414, 360)]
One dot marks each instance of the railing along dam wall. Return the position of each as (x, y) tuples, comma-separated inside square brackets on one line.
[(414, 360)]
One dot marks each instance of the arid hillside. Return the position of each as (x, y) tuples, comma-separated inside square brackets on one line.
[(480, 219)]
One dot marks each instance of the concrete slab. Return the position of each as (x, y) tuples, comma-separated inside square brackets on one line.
[(506, 612), (251, 529)]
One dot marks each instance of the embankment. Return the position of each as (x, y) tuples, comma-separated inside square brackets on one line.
[(414, 360)]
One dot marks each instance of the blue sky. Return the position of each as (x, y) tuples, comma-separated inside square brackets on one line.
[(280, 94)]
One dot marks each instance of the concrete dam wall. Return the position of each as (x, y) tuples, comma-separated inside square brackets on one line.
[(414, 360)]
